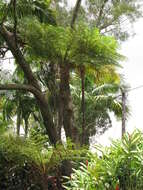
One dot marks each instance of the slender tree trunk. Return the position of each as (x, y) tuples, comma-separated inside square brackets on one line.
[(18, 122), (123, 113), (82, 73), (26, 128), (60, 120)]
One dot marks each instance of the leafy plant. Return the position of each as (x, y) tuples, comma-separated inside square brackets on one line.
[(26, 163), (119, 165)]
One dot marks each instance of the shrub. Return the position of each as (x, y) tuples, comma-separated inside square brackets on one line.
[(21, 164), (119, 165), (24, 164)]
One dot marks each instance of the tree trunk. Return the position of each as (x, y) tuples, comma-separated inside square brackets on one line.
[(123, 113), (26, 128), (82, 73), (53, 86), (45, 182), (66, 103), (47, 119), (60, 120), (65, 98), (18, 122), (75, 12)]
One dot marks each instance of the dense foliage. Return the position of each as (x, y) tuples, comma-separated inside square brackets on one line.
[(26, 164), (120, 165)]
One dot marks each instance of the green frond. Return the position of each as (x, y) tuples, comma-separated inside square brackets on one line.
[(106, 88), (9, 108), (25, 8), (92, 48), (45, 41)]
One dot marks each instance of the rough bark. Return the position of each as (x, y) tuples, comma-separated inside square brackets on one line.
[(53, 87), (66, 101)]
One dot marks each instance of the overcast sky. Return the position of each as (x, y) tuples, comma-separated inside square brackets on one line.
[(133, 73)]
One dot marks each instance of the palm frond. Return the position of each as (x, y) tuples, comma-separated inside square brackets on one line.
[(106, 88)]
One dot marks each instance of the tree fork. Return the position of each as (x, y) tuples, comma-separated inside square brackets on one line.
[(10, 40)]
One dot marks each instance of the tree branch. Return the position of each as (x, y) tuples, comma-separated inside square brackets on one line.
[(75, 13), (13, 86), (101, 12)]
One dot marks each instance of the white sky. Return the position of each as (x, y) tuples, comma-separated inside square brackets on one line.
[(133, 73)]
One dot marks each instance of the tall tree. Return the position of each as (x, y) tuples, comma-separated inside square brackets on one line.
[(65, 93), (110, 17), (101, 98)]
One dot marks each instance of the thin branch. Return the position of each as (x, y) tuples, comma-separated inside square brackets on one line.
[(101, 12), (112, 23), (114, 28)]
